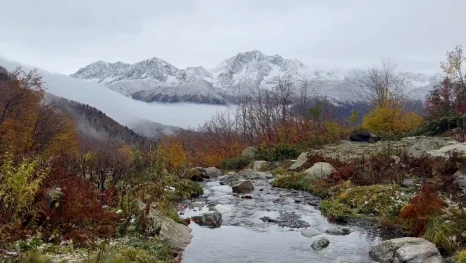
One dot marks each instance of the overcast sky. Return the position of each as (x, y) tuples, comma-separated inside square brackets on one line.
[(64, 35)]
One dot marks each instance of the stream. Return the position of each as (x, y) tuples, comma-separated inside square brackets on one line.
[(245, 237)]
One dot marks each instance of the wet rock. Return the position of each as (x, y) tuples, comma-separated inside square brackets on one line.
[(177, 235), (292, 220), (319, 170), (460, 178), (299, 163), (411, 182), (363, 136), (338, 231), (212, 220), (268, 219), (420, 148), (320, 243), (310, 233), (248, 196), (249, 152), (298, 201), (406, 250), (231, 178), (213, 172), (242, 187), (197, 174)]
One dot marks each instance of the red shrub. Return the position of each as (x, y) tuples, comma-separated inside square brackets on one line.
[(424, 205)]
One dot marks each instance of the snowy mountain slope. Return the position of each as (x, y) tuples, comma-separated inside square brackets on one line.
[(155, 80), (124, 110)]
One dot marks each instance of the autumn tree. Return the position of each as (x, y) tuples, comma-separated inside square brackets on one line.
[(391, 119)]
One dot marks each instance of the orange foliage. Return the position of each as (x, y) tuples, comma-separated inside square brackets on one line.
[(27, 126), (173, 155), (421, 208)]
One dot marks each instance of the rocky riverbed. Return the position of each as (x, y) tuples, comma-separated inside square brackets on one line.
[(275, 225)]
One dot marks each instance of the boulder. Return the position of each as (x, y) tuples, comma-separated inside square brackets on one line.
[(363, 136), (257, 165), (448, 150), (298, 164), (176, 234), (197, 174), (406, 250), (212, 220), (213, 172), (460, 179), (319, 170), (231, 178), (243, 187), (338, 231), (254, 175), (249, 152), (320, 243), (420, 148)]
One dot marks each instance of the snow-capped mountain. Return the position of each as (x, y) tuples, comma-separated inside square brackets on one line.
[(157, 80)]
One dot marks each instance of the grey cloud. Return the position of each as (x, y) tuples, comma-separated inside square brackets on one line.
[(63, 35)]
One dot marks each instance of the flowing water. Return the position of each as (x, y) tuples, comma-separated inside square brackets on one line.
[(244, 237)]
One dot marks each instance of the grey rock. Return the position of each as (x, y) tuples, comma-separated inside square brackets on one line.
[(249, 152), (242, 187), (196, 174), (212, 220), (363, 136), (320, 243), (310, 233), (460, 178), (257, 165), (420, 148), (298, 164), (338, 230), (213, 172), (231, 178), (410, 182), (320, 170), (395, 159), (177, 235), (406, 250), (254, 175)]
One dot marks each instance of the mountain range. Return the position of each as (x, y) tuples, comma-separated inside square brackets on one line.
[(155, 80)]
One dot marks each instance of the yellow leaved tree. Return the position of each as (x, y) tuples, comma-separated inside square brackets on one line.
[(391, 119)]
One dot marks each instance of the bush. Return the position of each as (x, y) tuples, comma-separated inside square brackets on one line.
[(442, 233), (295, 181), (187, 189), (320, 188), (33, 257), (425, 205), (236, 163), (280, 152), (336, 211), (461, 256)]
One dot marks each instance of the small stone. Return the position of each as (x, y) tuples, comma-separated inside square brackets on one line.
[(298, 201), (320, 243), (338, 231)]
